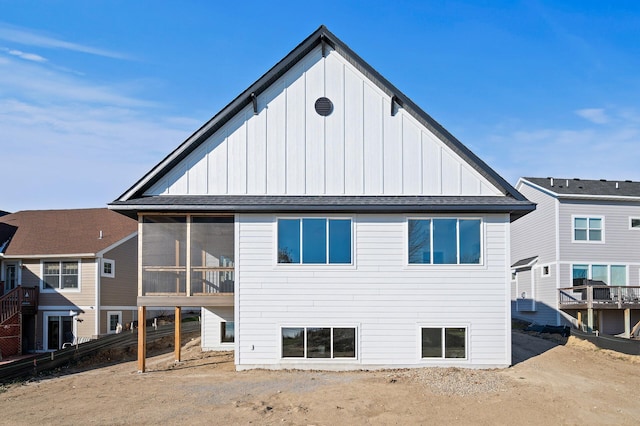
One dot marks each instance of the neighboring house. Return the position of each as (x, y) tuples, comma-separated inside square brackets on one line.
[(82, 265), (323, 220), (576, 259)]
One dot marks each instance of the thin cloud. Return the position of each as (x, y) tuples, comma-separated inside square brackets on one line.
[(28, 37), (23, 55), (595, 115)]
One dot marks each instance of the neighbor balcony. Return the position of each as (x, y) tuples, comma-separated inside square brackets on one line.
[(599, 297)]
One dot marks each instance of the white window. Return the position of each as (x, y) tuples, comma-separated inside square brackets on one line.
[(114, 322), (318, 342), (315, 240), (60, 275), (108, 268), (608, 274), (443, 342), (634, 223), (445, 241), (546, 271), (588, 229)]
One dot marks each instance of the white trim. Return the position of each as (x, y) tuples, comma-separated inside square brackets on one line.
[(109, 313), (542, 269), (443, 359), (116, 244), (587, 217), (45, 327), (103, 262), (52, 256), (43, 289), (118, 308), (330, 359), (98, 266), (66, 307), (483, 233), (236, 290), (322, 266)]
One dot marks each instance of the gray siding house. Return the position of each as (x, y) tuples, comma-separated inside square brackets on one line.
[(322, 220), (576, 258)]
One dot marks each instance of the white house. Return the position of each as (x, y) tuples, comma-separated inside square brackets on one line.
[(324, 221)]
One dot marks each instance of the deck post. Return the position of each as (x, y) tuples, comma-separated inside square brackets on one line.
[(579, 320), (177, 333), (590, 320), (142, 338), (627, 323)]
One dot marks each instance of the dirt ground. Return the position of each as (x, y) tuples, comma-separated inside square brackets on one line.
[(550, 383)]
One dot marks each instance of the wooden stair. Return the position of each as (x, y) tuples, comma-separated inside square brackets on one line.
[(13, 306)]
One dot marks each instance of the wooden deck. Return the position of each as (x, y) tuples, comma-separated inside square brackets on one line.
[(599, 297)]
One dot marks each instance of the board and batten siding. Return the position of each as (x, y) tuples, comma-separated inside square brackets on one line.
[(380, 294), (289, 149)]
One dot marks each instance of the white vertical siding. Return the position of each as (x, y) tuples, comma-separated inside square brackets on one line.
[(381, 295), (360, 148)]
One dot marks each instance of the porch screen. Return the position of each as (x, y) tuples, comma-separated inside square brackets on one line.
[(212, 255), (164, 255)]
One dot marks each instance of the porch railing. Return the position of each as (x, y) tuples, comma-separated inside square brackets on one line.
[(17, 300), (599, 296)]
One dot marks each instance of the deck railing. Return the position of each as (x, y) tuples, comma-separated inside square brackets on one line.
[(18, 299), (600, 297)]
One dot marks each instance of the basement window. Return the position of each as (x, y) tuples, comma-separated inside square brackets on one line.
[(318, 342)]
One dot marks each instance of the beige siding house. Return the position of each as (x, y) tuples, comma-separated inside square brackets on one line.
[(82, 266)]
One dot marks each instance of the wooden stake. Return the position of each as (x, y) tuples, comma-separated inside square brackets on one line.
[(142, 338), (177, 334)]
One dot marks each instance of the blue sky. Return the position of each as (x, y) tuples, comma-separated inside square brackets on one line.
[(94, 93)]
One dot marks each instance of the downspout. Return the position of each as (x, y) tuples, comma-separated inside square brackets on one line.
[(97, 314)]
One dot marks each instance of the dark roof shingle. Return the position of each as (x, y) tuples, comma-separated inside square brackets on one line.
[(585, 187)]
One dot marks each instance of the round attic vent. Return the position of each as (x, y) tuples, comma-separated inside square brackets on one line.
[(324, 106)]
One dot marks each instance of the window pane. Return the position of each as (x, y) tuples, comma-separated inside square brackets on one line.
[(339, 241), (69, 281), (580, 235), (314, 241), (454, 343), (580, 223), (431, 343), (70, 268), (289, 241), (344, 342), (635, 223), (444, 241), (318, 343), (599, 273), (293, 342), (51, 281), (579, 274), (595, 223), (164, 254), (618, 275), (419, 241), (51, 268), (595, 235), (227, 332), (469, 241)]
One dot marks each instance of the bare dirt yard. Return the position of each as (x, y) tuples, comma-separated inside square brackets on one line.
[(551, 383)]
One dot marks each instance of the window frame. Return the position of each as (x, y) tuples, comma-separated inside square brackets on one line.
[(587, 229), (223, 329), (443, 357), (609, 274), (112, 263), (481, 260), (327, 262), (331, 358), (43, 285), (109, 314), (631, 219), (545, 270)]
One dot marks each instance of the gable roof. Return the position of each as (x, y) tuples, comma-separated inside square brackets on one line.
[(321, 37), (32, 233), (587, 188)]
